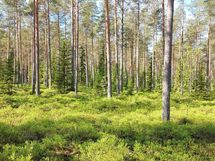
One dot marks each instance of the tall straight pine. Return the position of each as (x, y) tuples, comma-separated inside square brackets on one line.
[(167, 63), (36, 46), (107, 26)]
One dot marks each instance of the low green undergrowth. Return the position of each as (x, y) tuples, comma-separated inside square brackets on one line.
[(91, 128)]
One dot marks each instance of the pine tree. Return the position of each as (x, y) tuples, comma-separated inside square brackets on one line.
[(100, 81), (167, 63), (8, 74), (63, 80)]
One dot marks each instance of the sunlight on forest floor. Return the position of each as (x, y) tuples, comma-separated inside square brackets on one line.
[(90, 127)]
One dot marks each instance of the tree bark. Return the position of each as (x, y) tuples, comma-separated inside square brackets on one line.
[(107, 26), (208, 72), (181, 48), (163, 27), (17, 67), (138, 44), (77, 46), (122, 46), (132, 63), (46, 53), (72, 41), (21, 54), (8, 45), (36, 26), (116, 47), (92, 58), (167, 63), (33, 79), (86, 65), (49, 45), (58, 33)]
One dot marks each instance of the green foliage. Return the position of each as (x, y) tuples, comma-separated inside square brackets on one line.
[(178, 151), (6, 75), (108, 148), (1, 69), (200, 82), (64, 76), (87, 127), (17, 153), (101, 73), (150, 78)]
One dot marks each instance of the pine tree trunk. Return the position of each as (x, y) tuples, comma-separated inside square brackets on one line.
[(15, 52), (138, 44), (49, 46), (37, 48), (167, 63), (21, 54), (132, 63), (86, 65), (181, 48), (107, 27), (144, 70), (163, 28), (181, 63), (92, 58), (116, 47), (59, 39), (77, 46), (17, 69), (8, 46), (122, 46), (153, 60), (72, 42), (33, 79), (208, 72), (46, 53)]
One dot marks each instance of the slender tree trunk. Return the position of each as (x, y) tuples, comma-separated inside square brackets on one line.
[(181, 48), (191, 73), (21, 54), (132, 63), (46, 54), (122, 46), (163, 27), (144, 70), (167, 63), (17, 48), (49, 45), (181, 62), (8, 45), (125, 68), (37, 48), (138, 44), (153, 60), (86, 65), (77, 46), (33, 79), (15, 51), (208, 72), (72, 42), (116, 47), (92, 58), (107, 29), (59, 38)]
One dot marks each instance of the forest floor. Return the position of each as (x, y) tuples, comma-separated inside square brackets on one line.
[(89, 127)]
